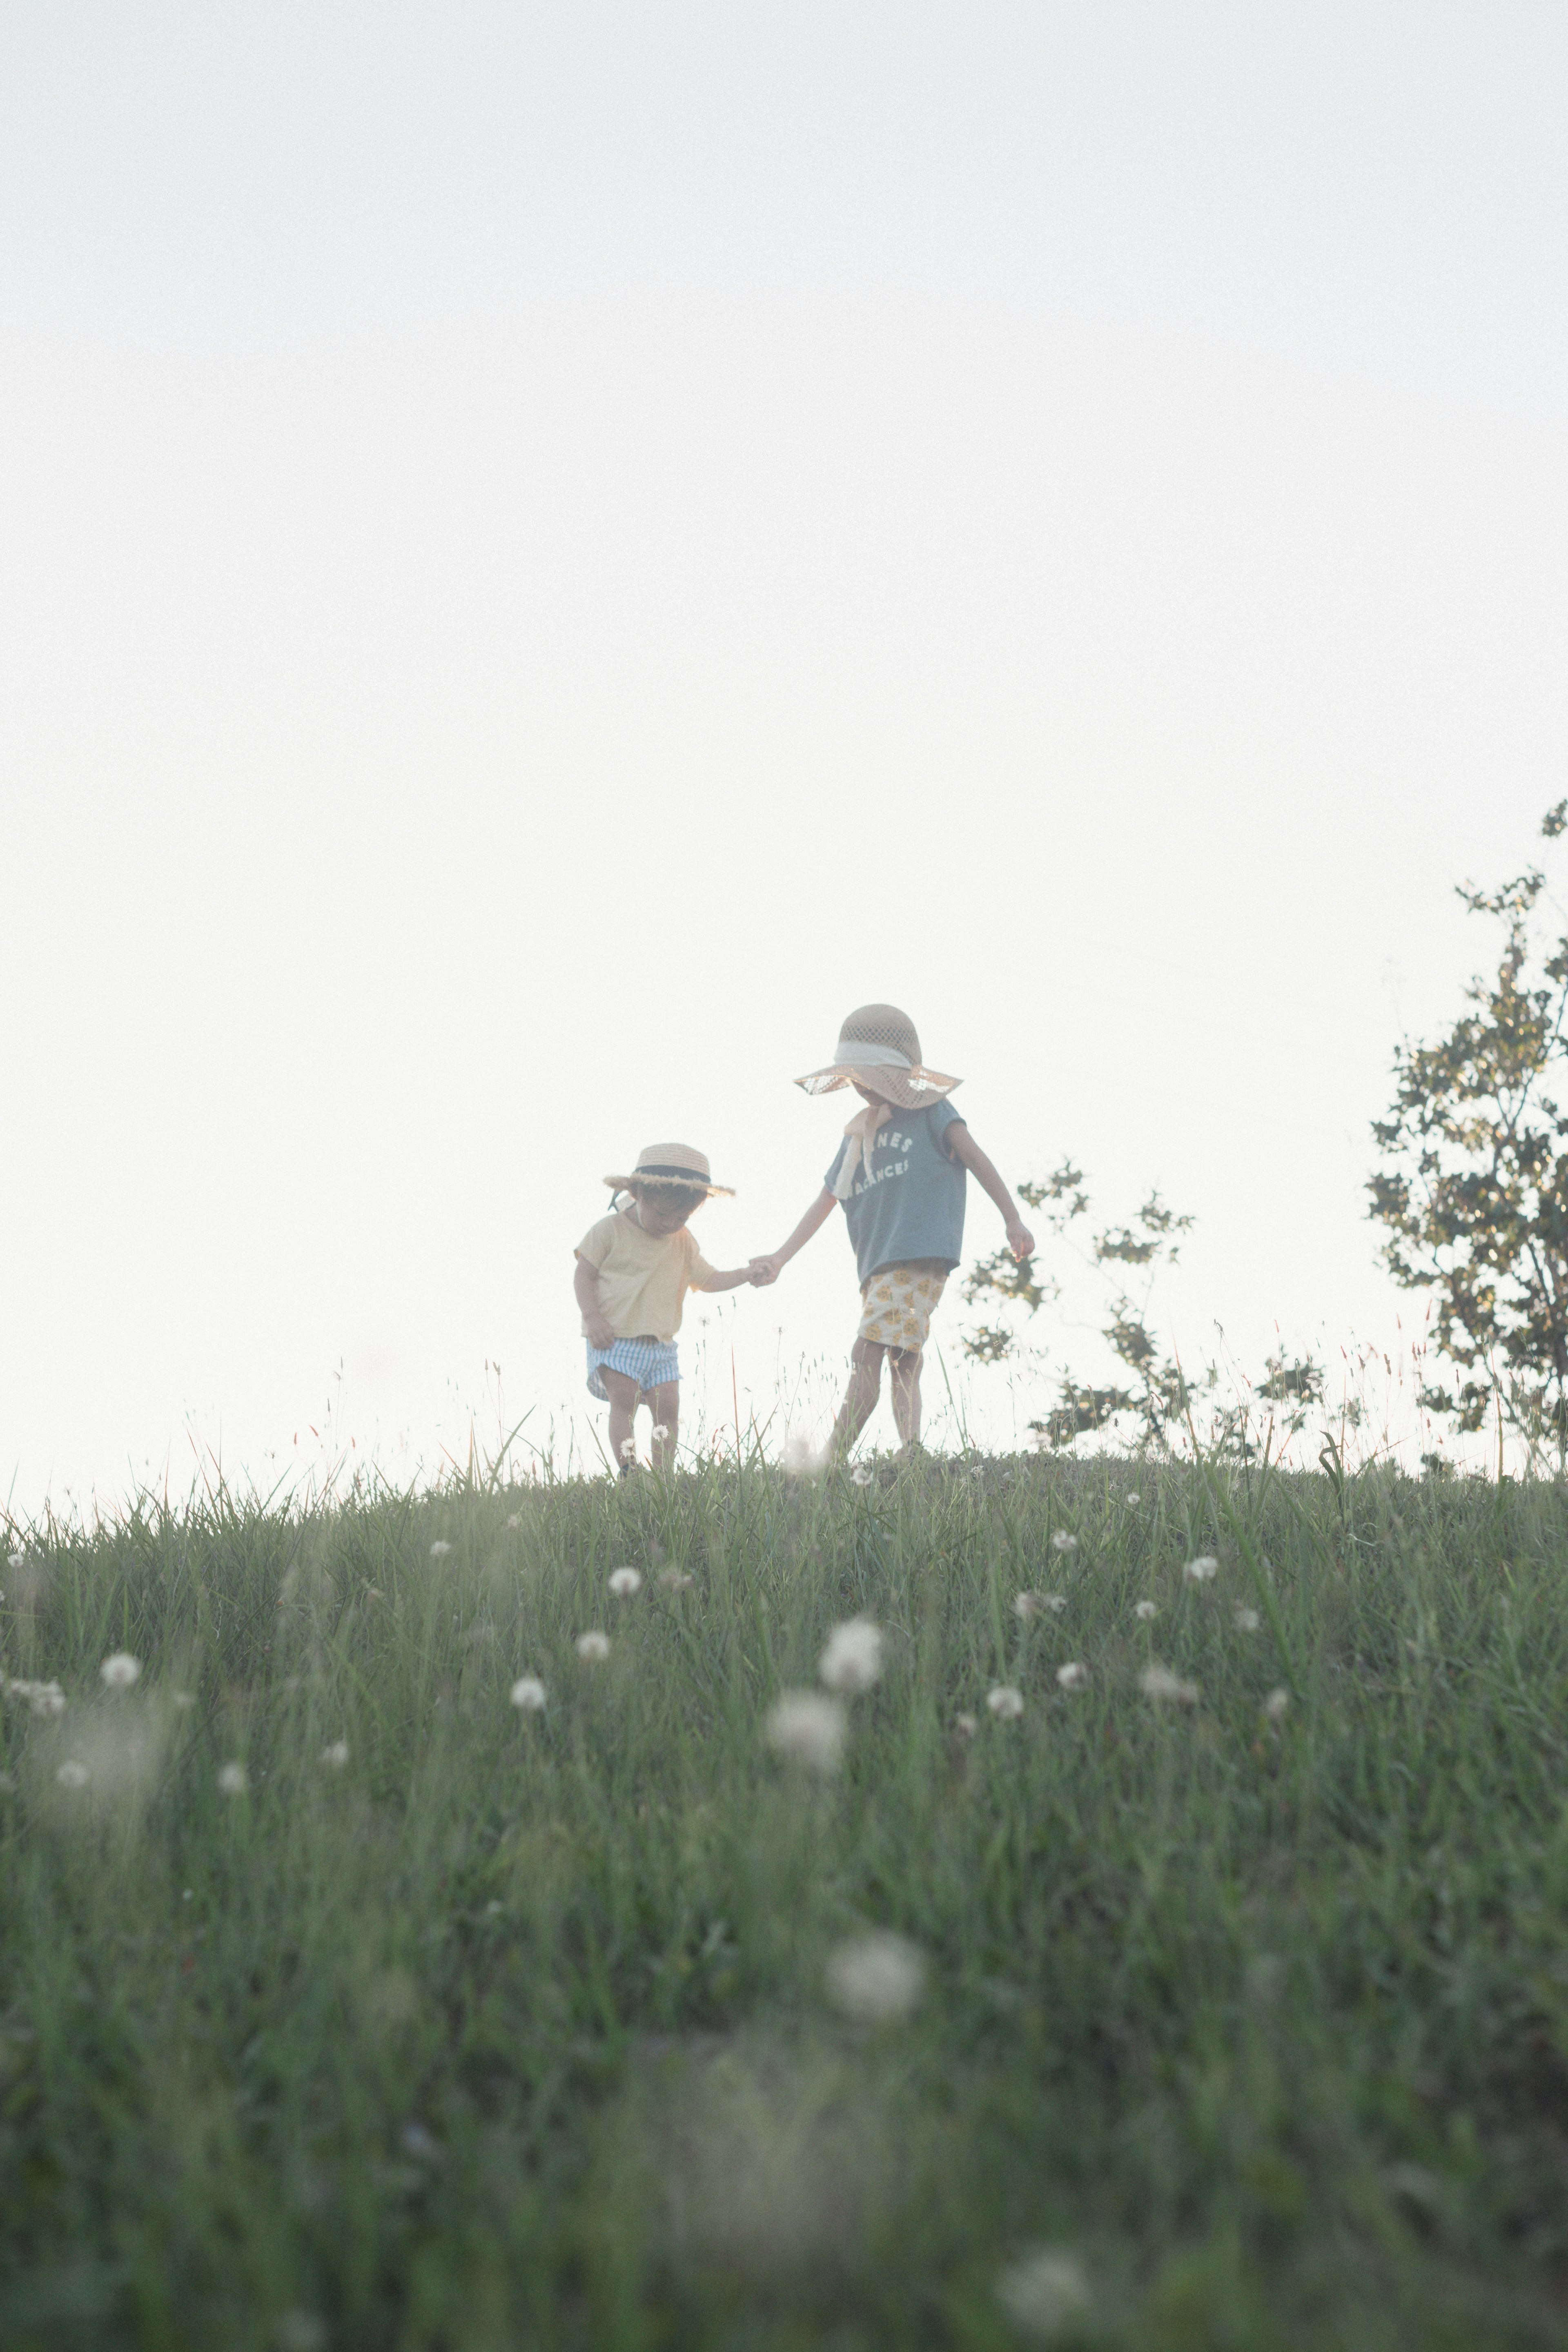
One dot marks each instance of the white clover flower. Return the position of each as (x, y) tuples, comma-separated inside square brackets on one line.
[(625, 1583), (877, 1979), (1144, 1610), (439, 1550), (1133, 1501), (1275, 1705), (234, 1780), (1201, 1571), (1006, 1703), (1026, 1606), (72, 1774), (527, 1693), (593, 1648), (1247, 1620), (1073, 1676), (860, 1475), (675, 1580), (1046, 2293), (661, 1432), (1063, 1541), (121, 1671), (1056, 1604), (967, 1726), (853, 1657), (1159, 1683), (336, 1756), (805, 1728)]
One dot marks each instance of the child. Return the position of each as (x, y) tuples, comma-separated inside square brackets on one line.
[(900, 1175), (634, 1269)]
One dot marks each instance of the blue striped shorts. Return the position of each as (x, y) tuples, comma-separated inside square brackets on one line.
[(649, 1363)]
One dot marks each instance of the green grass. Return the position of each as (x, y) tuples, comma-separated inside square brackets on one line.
[(514, 2030)]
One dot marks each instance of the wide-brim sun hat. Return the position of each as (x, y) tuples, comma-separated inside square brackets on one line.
[(675, 1165), (877, 1047)]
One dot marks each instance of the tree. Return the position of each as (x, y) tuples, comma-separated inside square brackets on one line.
[(1152, 1399), (1474, 1182)]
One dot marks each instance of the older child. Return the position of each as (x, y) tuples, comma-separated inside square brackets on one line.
[(899, 1174), (633, 1270)]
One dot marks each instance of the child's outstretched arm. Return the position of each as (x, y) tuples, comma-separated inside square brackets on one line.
[(764, 1270), (960, 1146), (730, 1281), (585, 1283)]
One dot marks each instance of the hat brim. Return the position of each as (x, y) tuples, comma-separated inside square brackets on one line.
[(911, 1089), (670, 1184)]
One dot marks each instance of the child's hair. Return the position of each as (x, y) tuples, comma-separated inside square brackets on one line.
[(684, 1197)]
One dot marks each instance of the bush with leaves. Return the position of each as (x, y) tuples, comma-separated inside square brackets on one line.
[(1474, 1182)]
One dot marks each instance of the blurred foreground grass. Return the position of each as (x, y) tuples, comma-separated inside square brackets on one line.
[(1211, 2025)]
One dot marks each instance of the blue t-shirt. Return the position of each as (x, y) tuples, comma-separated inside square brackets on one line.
[(909, 1203)]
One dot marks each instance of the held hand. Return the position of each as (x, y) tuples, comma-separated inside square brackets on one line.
[(1020, 1240), (600, 1333), (766, 1270)]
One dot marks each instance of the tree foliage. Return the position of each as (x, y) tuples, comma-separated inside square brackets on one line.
[(1474, 1182)]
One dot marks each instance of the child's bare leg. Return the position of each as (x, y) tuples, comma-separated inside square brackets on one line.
[(861, 1397), (623, 1394), (904, 1380), (666, 1402)]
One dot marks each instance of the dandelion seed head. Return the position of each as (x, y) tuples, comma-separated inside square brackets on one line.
[(1248, 1621), (1056, 1604), (1073, 1675), (977, 1471), (1144, 1611), (527, 1693), (17, 1560), (1201, 1569), (233, 1780), (1158, 1682), (515, 1519), (72, 1774), (121, 1671), (675, 1580), (967, 1726), (1026, 1606), (1063, 1541), (1046, 2293), (877, 1979), (625, 1583), (1006, 1703), (1133, 1501), (1277, 1704), (439, 1550), (661, 1432), (853, 1657), (807, 1730), (628, 1448), (335, 1756), (593, 1648), (860, 1475)]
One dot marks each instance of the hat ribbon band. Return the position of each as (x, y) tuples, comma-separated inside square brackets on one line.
[(659, 1167), (858, 1050)]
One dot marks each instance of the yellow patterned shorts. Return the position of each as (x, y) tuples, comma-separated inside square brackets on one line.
[(899, 1303)]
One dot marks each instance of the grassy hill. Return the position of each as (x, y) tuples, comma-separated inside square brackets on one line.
[(345, 2002)]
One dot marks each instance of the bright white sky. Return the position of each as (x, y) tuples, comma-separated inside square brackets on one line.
[(550, 551)]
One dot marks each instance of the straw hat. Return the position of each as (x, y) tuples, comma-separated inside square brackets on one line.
[(878, 1046), (674, 1165)]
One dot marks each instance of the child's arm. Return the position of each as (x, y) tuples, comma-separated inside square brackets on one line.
[(960, 1145), (764, 1270), (585, 1283), (728, 1281)]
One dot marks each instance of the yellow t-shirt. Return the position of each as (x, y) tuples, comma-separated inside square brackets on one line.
[(642, 1276)]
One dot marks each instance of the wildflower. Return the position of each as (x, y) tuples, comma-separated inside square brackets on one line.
[(1026, 1606), (72, 1774), (1073, 1676), (121, 1671), (967, 1726), (17, 1560), (1055, 1602), (1006, 1703), (527, 1693), (805, 1728), (675, 1580), (628, 1448), (877, 1979), (661, 1432), (593, 1648), (1144, 1611), (1247, 1621), (1062, 1541), (44, 1698), (515, 1520), (234, 1780), (861, 1475), (439, 1550), (853, 1657), (1158, 1681), (625, 1583), (1046, 2293), (1133, 1501), (335, 1757), (977, 1471), (1276, 1704), (1200, 1570)]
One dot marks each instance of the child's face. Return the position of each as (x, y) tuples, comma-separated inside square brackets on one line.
[(660, 1212), (867, 1095)]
